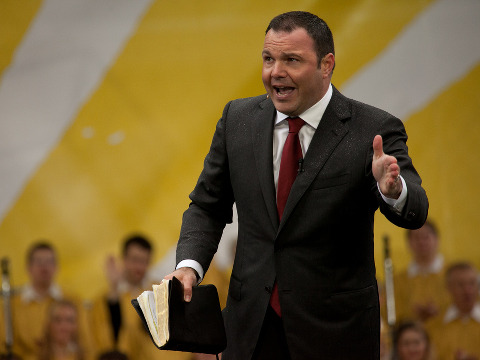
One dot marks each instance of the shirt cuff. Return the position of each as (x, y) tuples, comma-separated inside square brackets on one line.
[(195, 265), (399, 203)]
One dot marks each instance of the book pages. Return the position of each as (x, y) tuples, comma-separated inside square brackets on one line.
[(161, 301), (145, 300)]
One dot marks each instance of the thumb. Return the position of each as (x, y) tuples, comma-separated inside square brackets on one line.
[(377, 146)]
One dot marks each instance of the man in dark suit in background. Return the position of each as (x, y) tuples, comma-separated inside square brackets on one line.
[(303, 281)]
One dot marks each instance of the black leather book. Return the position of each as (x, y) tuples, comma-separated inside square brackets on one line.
[(196, 326)]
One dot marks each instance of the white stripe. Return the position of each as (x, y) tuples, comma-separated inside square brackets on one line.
[(435, 50), (62, 59)]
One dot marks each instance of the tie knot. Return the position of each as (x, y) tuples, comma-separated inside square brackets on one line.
[(295, 124)]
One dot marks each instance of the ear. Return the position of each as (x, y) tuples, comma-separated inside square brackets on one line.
[(327, 65)]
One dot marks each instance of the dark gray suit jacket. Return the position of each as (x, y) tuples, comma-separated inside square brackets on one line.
[(321, 253)]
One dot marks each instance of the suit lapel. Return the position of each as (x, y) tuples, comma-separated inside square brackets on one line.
[(263, 151), (331, 130)]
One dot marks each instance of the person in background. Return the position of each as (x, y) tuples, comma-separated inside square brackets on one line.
[(456, 332), (61, 338), (115, 324), (30, 305), (420, 291), (411, 342)]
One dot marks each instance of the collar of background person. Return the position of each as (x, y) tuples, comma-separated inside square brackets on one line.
[(435, 267), (28, 293), (453, 313)]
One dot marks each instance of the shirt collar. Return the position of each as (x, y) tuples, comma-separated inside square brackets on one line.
[(28, 293), (453, 313), (314, 114), (434, 268)]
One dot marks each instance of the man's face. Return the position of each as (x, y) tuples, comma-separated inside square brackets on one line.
[(42, 267), (136, 262), (423, 243), (463, 286), (291, 73)]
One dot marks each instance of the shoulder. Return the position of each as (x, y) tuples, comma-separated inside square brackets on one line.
[(248, 104), (358, 109)]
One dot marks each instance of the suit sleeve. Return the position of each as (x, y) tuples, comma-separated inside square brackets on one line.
[(415, 211), (211, 203)]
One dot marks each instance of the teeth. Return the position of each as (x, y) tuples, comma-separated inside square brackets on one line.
[(283, 91)]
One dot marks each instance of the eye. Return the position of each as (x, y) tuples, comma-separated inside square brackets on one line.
[(267, 58), (292, 59)]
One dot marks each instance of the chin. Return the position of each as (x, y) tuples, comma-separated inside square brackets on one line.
[(282, 108)]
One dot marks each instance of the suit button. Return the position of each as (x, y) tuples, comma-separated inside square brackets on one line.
[(268, 289)]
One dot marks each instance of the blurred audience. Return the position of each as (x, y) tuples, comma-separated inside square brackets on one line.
[(420, 292), (30, 305), (61, 338), (456, 332), (115, 324), (51, 324), (411, 342)]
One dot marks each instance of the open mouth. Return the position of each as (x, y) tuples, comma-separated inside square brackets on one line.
[(283, 91)]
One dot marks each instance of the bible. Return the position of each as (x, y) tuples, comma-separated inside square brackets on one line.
[(173, 324)]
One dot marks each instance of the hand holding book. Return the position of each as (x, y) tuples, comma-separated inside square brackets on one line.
[(174, 324)]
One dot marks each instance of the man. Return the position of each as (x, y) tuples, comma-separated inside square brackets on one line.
[(456, 332), (303, 281), (30, 305), (115, 325), (420, 291)]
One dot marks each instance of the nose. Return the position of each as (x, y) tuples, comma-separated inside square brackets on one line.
[(278, 70)]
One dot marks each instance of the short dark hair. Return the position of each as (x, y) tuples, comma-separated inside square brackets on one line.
[(460, 265), (430, 224), (136, 239), (314, 26), (39, 245)]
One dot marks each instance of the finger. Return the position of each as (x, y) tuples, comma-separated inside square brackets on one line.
[(377, 146), (187, 292), (187, 277)]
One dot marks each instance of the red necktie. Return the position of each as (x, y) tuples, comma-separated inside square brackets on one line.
[(289, 165)]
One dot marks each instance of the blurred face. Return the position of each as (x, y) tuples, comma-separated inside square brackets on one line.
[(63, 324), (424, 244), (136, 262), (412, 345), (42, 267), (463, 287), (291, 73)]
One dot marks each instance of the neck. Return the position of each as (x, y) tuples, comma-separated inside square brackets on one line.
[(466, 310), (61, 349), (425, 262), (41, 289)]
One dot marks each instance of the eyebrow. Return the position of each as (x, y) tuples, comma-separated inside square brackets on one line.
[(284, 54)]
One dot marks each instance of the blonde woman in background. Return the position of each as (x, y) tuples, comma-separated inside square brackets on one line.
[(411, 342), (61, 340)]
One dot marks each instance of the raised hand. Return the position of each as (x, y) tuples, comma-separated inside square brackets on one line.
[(114, 273), (386, 170)]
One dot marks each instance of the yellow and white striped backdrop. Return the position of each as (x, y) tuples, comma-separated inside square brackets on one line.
[(107, 109)]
